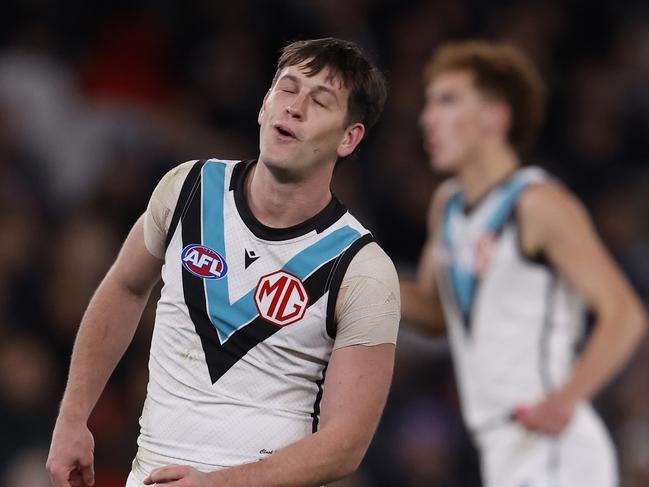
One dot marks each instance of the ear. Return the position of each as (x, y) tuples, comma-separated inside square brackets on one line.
[(262, 109), (351, 138), (498, 117)]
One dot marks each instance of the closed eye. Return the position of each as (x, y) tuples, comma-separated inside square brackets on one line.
[(445, 98)]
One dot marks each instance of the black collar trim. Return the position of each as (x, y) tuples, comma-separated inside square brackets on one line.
[(319, 222), (469, 209)]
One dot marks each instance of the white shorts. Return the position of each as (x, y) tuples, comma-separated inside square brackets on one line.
[(583, 456), (145, 462), (133, 481)]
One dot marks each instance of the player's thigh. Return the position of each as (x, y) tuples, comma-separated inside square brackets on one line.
[(582, 456), (514, 457)]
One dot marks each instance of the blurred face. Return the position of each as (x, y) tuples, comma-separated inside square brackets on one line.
[(456, 121), (302, 122)]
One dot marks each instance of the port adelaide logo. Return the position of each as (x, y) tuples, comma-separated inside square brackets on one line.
[(204, 262)]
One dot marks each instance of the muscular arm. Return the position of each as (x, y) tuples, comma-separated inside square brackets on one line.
[(554, 223), (105, 332), (420, 304), (355, 391)]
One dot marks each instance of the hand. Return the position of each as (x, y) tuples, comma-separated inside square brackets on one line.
[(178, 476), (71, 458), (549, 416)]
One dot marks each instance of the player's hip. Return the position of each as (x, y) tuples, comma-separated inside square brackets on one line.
[(582, 455)]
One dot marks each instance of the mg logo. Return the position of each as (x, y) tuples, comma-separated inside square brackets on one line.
[(281, 298)]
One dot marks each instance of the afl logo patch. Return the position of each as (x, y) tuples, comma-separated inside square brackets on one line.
[(204, 262)]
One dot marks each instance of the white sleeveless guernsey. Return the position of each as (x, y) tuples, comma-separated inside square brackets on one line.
[(513, 324), (244, 327)]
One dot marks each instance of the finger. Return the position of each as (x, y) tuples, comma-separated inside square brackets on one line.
[(547, 424), (547, 429), (533, 421), (521, 412), (76, 480), (165, 474), (560, 429), (60, 477), (88, 474), (558, 425)]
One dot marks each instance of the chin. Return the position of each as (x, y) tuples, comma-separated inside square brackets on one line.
[(273, 155), (444, 165), (281, 164)]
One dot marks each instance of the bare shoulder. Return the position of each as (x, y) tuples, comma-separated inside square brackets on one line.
[(548, 212), (549, 202)]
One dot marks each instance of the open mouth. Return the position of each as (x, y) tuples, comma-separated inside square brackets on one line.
[(429, 145), (284, 132)]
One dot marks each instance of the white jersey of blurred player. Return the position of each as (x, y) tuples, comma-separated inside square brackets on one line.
[(513, 324), (504, 244)]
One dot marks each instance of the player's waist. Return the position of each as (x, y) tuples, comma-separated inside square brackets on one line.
[(491, 403), (146, 461), (217, 441), (504, 364)]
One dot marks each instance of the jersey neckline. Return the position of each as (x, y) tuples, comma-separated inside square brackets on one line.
[(469, 209), (319, 222)]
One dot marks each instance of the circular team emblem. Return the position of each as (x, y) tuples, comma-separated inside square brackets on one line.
[(204, 262), (281, 298)]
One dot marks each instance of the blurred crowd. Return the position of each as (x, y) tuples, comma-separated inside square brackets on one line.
[(99, 99)]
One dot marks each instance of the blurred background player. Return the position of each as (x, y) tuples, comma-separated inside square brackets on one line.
[(268, 283), (510, 263)]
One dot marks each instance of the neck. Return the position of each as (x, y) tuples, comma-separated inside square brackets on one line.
[(280, 202), (490, 168)]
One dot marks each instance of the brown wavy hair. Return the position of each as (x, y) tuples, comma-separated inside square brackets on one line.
[(503, 71)]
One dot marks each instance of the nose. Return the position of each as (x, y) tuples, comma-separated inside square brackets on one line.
[(426, 116), (293, 112), (296, 108)]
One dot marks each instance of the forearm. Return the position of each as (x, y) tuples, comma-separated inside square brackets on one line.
[(355, 391), (313, 461), (106, 330), (609, 348), (419, 311)]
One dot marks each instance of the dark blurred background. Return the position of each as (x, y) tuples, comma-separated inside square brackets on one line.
[(99, 99)]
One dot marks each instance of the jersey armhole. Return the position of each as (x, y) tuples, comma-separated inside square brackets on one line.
[(336, 278), (190, 185), (537, 259)]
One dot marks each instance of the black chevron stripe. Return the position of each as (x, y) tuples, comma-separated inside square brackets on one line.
[(221, 357), (191, 184)]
